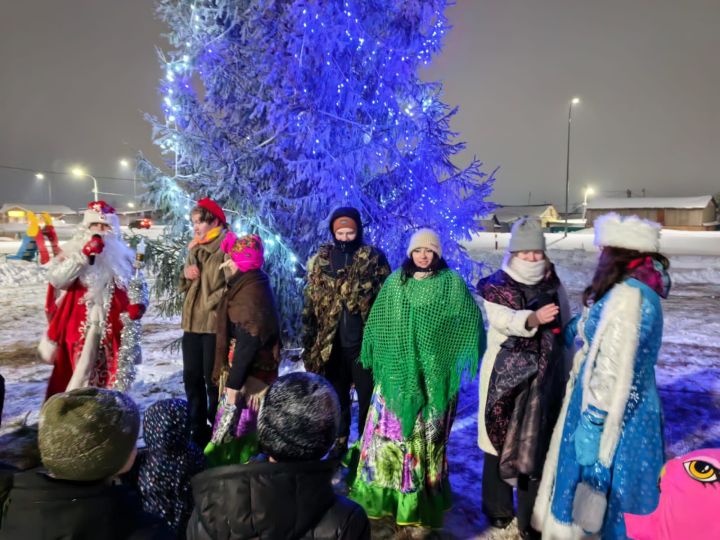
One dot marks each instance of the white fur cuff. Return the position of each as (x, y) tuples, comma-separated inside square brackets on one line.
[(46, 349)]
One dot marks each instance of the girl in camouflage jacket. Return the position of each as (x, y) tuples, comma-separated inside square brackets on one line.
[(343, 280)]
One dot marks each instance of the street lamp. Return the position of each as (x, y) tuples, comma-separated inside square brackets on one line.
[(131, 205), (77, 172), (125, 164), (588, 191), (573, 101), (41, 176)]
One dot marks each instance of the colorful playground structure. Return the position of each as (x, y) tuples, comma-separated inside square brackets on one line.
[(34, 240)]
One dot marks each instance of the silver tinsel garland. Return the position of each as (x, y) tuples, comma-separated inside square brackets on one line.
[(130, 351)]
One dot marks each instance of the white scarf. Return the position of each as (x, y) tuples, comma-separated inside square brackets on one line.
[(525, 272)]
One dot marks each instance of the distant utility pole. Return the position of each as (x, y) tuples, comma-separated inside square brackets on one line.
[(573, 101)]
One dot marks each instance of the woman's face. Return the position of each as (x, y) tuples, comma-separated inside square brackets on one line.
[(422, 257), (201, 228), (530, 256)]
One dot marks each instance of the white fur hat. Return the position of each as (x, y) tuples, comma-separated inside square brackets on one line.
[(101, 212), (425, 238), (629, 232)]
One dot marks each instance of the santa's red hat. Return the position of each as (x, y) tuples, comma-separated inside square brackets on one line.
[(214, 208), (101, 212)]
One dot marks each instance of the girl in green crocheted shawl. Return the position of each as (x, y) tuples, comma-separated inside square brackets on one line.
[(423, 333)]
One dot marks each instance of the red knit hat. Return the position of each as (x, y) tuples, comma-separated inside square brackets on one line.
[(344, 222), (214, 208)]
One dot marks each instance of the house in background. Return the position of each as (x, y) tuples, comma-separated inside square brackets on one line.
[(17, 213), (489, 223), (502, 219), (682, 213)]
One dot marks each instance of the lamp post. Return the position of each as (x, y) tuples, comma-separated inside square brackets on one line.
[(573, 101), (588, 191), (41, 176), (77, 172)]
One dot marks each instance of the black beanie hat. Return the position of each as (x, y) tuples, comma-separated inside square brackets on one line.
[(299, 418), (352, 213)]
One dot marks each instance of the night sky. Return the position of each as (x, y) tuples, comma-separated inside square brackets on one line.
[(77, 76)]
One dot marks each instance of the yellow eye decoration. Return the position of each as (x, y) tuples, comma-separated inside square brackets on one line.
[(702, 471)]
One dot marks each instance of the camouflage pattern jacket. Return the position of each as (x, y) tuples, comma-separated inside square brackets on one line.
[(327, 293)]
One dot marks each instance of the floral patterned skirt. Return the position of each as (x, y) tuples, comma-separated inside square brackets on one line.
[(234, 434), (239, 443), (403, 477)]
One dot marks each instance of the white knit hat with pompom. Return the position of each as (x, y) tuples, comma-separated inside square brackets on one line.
[(425, 238)]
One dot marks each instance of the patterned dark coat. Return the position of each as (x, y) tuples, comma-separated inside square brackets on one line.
[(328, 292), (524, 374)]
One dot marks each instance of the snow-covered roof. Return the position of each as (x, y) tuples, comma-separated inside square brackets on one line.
[(38, 208), (508, 213), (649, 202)]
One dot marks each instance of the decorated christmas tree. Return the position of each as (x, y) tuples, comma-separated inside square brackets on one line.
[(284, 110)]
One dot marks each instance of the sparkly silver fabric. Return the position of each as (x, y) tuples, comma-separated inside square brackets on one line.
[(130, 351)]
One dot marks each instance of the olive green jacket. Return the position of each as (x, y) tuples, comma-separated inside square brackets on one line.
[(203, 295)]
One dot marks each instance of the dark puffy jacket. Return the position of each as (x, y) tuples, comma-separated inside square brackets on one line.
[(2, 396), (273, 501), (43, 508)]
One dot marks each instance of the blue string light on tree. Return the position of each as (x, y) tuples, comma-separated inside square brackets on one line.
[(284, 113)]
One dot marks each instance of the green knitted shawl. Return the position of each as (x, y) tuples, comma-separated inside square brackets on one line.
[(420, 337)]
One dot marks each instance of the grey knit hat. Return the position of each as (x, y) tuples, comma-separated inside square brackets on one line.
[(527, 235), (87, 434), (299, 418)]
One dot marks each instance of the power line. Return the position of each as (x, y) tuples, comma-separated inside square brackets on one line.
[(65, 173)]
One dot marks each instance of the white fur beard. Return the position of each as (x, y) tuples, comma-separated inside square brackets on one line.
[(114, 263)]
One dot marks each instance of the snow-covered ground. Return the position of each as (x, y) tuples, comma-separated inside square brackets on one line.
[(688, 371)]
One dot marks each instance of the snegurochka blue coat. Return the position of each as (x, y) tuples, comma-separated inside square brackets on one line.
[(613, 372)]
